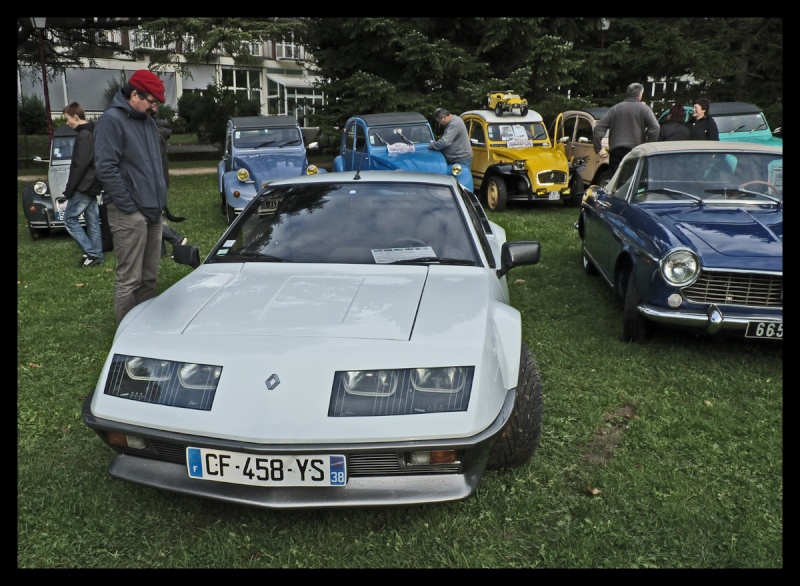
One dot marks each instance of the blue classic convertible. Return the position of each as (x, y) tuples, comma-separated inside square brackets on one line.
[(393, 141), (690, 235)]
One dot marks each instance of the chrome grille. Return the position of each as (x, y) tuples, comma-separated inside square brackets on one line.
[(551, 177), (752, 290)]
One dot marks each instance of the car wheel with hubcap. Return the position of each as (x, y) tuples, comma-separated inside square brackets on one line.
[(495, 194), (519, 438)]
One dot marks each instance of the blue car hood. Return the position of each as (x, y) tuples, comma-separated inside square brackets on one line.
[(422, 159), (276, 164), (742, 232)]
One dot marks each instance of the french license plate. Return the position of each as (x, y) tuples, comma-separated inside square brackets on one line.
[(554, 195), (236, 468), (764, 329)]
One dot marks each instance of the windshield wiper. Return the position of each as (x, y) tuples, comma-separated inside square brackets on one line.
[(249, 256), (434, 260), (735, 190), (667, 191)]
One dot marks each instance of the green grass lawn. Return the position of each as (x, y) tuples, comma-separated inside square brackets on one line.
[(664, 455)]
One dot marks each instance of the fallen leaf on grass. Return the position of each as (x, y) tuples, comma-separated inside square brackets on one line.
[(519, 281), (81, 284), (708, 403), (32, 365), (591, 490)]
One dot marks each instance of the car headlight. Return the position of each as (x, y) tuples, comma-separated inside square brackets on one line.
[(40, 187), (519, 166), (409, 391), (680, 267), (456, 169), (242, 174), (163, 382), (312, 170)]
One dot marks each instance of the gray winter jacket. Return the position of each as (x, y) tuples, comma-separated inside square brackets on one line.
[(630, 123), (127, 158)]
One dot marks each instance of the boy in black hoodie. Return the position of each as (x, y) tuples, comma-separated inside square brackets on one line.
[(82, 189)]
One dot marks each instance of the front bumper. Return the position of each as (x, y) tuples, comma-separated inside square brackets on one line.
[(377, 472), (713, 321)]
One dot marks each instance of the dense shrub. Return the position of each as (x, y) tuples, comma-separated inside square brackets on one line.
[(212, 111), (31, 115)]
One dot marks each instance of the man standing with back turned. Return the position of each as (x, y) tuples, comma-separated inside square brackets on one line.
[(629, 123), (128, 163)]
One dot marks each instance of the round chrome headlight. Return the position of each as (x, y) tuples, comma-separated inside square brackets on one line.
[(312, 170), (242, 174), (680, 267), (456, 169), (40, 187)]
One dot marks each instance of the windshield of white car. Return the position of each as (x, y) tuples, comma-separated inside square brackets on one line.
[(710, 176), (352, 223)]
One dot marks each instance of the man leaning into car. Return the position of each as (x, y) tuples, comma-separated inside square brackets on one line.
[(454, 144)]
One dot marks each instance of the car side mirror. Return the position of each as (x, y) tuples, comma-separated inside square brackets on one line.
[(312, 146), (187, 254), (563, 139), (583, 139), (517, 254)]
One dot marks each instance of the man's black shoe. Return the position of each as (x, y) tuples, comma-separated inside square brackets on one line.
[(83, 260), (91, 261)]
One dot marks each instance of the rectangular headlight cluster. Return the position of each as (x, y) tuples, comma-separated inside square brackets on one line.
[(163, 382), (409, 391)]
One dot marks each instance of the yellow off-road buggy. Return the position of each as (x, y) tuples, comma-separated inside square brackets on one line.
[(505, 101)]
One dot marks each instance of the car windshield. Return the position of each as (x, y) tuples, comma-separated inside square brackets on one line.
[(254, 138), (711, 176), (361, 223), (513, 132), (62, 148), (740, 123), (405, 134)]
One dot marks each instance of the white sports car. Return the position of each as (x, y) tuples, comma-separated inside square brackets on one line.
[(348, 342)]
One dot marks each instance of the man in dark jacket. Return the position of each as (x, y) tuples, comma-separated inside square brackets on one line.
[(128, 162), (701, 125), (629, 123), (82, 189)]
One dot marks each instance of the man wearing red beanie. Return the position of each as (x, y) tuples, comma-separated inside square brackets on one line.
[(128, 163)]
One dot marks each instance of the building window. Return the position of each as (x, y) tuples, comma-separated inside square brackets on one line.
[(245, 83)]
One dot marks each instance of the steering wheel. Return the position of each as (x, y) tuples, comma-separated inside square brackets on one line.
[(774, 188)]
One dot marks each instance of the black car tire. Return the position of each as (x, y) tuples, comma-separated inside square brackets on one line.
[(230, 214), (603, 178), (37, 233), (494, 194), (223, 205), (635, 328), (498, 109), (485, 103), (524, 110), (519, 438)]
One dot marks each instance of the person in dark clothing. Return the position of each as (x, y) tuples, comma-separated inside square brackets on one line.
[(701, 125), (129, 165), (168, 233), (82, 189), (674, 128)]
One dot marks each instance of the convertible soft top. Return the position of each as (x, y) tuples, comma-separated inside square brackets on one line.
[(262, 121)]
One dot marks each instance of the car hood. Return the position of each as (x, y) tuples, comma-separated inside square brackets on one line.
[(421, 159), (273, 165), (302, 323), (739, 232), (542, 158)]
